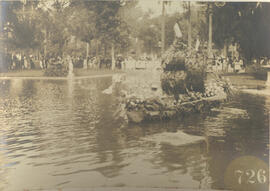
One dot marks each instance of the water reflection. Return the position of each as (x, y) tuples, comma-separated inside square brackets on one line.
[(68, 134)]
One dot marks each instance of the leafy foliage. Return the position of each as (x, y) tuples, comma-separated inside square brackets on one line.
[(49, 25), (184, 71), (195, 79)]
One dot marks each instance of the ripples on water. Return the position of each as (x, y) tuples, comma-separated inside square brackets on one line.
[(65, 134)]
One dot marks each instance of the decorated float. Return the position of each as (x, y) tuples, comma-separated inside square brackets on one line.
[(182, 87)]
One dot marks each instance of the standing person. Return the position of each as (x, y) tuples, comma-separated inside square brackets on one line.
[(41, 63), (32, 64), (8, 61), (25, 62), (234, 63), (85, 63), (254, 61), (197, 46), (14, 62), (88, 61), (230, 63), (45, 62), (98, 62), (22, 62), (262, 61), (241, 63)]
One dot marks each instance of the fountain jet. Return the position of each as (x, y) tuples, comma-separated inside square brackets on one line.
[(70, 68)]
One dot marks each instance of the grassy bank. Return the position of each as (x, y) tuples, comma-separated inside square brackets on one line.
[(257, 71), (40, 73), (83, 72), (22, 73), (245, 81), (238, 80)]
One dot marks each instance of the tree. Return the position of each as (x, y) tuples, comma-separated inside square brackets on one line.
[(48, 25), (81, 24), (19, 18), (151, 37), (36, 24), (245, 23), (112, 29)]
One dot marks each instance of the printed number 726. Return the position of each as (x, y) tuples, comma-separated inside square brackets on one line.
[(252, 177)]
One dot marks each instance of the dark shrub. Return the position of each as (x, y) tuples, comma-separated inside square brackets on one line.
[(183, 71), (175, 65), (173, 59), (56, 70), (195, 79), (173, 83), (257, 71)]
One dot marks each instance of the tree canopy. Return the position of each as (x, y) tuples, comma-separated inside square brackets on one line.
[(35, 24), (244, 23), (49, 26)]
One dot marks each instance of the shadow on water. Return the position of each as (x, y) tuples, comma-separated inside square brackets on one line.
[(69, 134)]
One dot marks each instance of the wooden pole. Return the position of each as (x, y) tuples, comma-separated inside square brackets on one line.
[(210, 54), (189, 27), (163, 28)]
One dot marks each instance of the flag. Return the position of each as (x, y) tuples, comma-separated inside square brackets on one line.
[(177, 31)]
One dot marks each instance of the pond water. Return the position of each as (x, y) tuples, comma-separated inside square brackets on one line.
[(68, 134)]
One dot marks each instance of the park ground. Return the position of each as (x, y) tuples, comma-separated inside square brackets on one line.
[(40, 73), (239, 80)]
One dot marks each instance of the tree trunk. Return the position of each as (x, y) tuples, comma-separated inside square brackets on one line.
[(23, 10), (97, 48), (45, 45), (113, 58), (225, 50), (137, 48), (104, 50), (87, 50), (1, 17), (85, 62), (90, 48)]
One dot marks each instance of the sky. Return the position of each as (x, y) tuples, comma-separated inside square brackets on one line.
[(156, 6)]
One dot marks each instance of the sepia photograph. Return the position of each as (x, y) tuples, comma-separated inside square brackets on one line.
[(134, 95)]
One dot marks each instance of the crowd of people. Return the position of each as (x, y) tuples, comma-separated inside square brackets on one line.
[(228, 64), (219, 63), (18, 61), (235, 64)]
